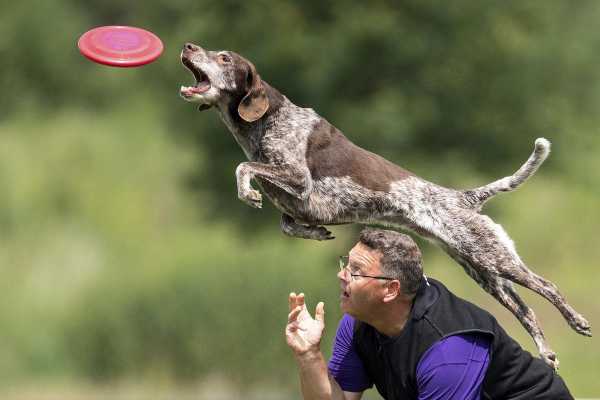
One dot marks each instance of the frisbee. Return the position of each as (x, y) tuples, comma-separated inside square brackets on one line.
[(120, 46)]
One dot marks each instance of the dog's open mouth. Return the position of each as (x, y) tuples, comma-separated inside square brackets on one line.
[(202, 81)]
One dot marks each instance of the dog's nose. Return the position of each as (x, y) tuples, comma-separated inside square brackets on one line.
[(191, 47)]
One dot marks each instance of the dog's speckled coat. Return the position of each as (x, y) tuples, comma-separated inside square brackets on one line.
[(315, 176)]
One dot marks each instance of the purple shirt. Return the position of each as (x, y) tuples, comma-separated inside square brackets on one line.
[(452, 368)]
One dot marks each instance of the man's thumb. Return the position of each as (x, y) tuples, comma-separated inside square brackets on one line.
[(320, 312)]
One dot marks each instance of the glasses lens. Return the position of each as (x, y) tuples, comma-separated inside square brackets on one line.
[(343, 267)]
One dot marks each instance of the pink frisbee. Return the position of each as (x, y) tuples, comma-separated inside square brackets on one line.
[(120, 46)]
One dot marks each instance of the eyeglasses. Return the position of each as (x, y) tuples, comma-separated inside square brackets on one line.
[(348, 275)]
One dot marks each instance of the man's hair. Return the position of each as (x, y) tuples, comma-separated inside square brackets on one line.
[(401, 257)]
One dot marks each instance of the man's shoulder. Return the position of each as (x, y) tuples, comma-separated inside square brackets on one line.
[(450, 314), (454, 299), (346, 327)]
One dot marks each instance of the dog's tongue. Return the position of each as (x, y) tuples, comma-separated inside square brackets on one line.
[(189, 90), (195, 89), (202, 86)]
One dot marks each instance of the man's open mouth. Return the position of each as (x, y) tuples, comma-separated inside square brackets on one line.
[(202, 81)]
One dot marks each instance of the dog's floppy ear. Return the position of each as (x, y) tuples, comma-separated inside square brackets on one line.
[(255, 103)]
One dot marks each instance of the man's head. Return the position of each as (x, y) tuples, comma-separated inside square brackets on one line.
[(223, 77), (400, 257), (380, 254)]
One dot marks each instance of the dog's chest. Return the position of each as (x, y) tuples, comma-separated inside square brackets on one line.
[(280, 138), (245, 138), (285, 137)]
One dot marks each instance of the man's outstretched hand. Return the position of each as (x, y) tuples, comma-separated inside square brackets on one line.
[(303, 333)]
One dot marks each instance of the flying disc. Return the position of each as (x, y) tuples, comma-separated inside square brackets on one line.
[(120, 46)]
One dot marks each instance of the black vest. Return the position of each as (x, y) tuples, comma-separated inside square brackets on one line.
[(392, 362)]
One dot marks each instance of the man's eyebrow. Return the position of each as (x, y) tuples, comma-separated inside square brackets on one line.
[(355, 265)]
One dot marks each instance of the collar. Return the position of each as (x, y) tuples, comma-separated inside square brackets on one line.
[(427, 294)]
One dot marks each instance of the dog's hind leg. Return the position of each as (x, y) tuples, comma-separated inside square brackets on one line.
[(527, 317), (294, 229), (524, 277), (495, 254), (503, 291)]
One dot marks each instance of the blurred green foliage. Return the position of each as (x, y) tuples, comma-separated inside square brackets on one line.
[(124, 251)]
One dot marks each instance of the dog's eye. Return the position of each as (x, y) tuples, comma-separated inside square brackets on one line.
[(224, 59)]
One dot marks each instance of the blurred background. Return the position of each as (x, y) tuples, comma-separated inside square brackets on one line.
[(131, 271)]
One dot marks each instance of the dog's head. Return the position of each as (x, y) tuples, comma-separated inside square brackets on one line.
[(223, 77)]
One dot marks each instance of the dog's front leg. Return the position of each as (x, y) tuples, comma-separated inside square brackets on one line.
[(294, 181), (294, 229)]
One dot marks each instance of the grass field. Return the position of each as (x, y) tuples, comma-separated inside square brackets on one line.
[(113, 272)]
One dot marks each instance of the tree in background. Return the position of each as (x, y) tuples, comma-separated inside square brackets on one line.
[(455, 91)]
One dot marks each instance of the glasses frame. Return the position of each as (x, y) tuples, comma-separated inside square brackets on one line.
[(346, 271)]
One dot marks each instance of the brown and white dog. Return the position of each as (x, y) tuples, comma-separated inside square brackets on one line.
[(315, 176)]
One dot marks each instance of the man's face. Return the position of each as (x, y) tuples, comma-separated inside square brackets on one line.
[(360, 295)]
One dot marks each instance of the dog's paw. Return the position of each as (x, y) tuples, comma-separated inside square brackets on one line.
[(251, 197), (321, 233), (549, 357), (581, 325)]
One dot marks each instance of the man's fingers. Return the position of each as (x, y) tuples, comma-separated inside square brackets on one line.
[(292, 327), (320, 312), (292, 301), (300, 300), (294, 314)]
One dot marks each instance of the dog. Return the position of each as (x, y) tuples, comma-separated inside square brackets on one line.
[(315, 176)]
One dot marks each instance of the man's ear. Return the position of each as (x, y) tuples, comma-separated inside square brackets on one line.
[(255, 103), (392, 291)]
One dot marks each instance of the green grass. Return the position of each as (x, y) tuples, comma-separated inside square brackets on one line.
[(112, 272)]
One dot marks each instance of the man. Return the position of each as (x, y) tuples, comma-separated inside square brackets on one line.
[(409, 336)]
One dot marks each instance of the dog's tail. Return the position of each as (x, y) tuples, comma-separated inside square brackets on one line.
[(480, 195)]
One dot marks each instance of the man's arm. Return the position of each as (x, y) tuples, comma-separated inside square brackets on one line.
[(454, 368), (317, 383), (303, 335)]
